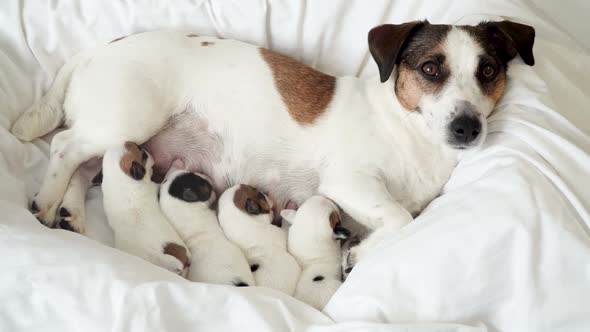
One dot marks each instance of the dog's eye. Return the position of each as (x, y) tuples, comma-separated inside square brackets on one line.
[(430, 68), (488, 71)]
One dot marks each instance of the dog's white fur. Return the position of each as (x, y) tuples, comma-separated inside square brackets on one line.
[(317, 250), (214, 258), (134, 214), (378, 162), (263, 243)]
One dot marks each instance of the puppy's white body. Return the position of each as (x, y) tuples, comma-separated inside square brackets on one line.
[(214, 258), (264, 245), (133, 211), (313, 243)]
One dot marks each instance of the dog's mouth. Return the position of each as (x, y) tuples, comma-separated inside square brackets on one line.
[(463, 146)]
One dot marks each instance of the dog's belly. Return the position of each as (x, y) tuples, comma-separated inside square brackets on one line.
[(233, 158)]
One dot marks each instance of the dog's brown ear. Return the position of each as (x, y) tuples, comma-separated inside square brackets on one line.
[(519, 38), (386, 43)]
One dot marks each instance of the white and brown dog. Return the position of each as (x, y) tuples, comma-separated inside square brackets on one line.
[(186, 199), (132, 208), (246, 217), (381, 148), (314, 241)]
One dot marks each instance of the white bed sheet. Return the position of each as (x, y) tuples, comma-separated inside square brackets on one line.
[(505, 248)]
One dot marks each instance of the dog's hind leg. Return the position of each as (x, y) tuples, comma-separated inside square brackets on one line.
[(68, 152), (71, 213)]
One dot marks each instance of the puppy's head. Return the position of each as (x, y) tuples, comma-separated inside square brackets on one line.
[(254, 203), (317, 217), (136, 162), (188, 187), (453, 76)]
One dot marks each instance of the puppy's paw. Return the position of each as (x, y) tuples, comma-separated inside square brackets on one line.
[(176, 258), (70, 218)]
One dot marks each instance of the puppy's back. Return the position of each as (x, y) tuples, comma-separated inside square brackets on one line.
[(133, 212), (186, 199)]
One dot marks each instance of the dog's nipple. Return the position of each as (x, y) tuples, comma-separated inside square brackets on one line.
[(177, 164)]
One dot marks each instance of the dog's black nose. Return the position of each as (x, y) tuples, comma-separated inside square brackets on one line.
[(465, 129)]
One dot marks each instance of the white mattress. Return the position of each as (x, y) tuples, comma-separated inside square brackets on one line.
[(505, 248)]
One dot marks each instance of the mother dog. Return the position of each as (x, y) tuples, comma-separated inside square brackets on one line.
[(381, 148)]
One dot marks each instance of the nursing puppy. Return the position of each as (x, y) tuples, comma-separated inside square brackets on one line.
[(246, 216), (244, 114), (186, 200), (132, 208), (314, 241)]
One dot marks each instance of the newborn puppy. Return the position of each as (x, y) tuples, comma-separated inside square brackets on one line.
[(132, 208), (246, 216), (186, 199), (314, 241)]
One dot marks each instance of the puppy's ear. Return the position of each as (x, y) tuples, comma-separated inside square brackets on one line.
[(137, 170), (512, 38), (386, 43), (252, 207), (288, 215), (341, 233)]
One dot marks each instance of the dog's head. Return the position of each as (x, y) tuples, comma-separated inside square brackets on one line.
[(136, 162), (452, 75), (317, 217), (254, 203)]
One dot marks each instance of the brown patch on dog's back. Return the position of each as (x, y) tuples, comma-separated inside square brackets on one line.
[(117, 39), (192, 35), (249, 195), (207, 43), (133, 160), (178, 251), (334, 219), (306, 91)]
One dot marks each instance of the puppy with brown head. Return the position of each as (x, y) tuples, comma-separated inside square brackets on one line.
[(314, 240), (132, 208), (186, 199), (246, 217)]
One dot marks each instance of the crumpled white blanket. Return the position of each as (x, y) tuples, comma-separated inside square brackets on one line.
[(505, 248)]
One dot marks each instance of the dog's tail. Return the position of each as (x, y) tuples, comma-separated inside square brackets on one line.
[(46, 114)]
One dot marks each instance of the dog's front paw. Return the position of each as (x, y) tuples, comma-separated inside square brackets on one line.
[(70, 218)]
